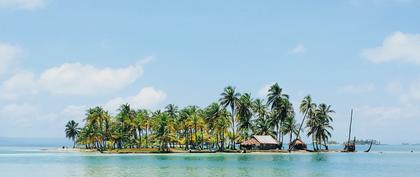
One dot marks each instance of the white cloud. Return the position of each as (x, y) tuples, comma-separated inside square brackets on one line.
[(18, 114), (8, 56), (80, 79), (22, 83), (357, 89), (394, 87), (399, 46), (369, 3), (300, 48), (148, 97), (76, 113), (72, 79), (264, 90), (410, 94), (32, 121), (22, 4)]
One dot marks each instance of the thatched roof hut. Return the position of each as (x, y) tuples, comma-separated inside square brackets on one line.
[(297, 144), (262, 142)]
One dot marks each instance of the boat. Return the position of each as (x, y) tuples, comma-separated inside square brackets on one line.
[(350, 146)]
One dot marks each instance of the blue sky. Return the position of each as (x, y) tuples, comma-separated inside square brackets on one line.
[(57, 58)]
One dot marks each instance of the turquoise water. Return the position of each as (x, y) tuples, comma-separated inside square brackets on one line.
[(383, 161)]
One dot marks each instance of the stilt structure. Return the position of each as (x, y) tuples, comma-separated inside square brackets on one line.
[(350, 146), (370, 147)]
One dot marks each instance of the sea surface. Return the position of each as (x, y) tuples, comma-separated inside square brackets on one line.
[(384, 161)]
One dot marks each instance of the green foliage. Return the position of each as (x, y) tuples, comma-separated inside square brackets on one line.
[(194, 128)]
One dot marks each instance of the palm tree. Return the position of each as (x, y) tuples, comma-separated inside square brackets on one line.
[(245, 114), (96, 119), (230, 97), (72, 131), (217, 121), (307, 108), (278, 103), (319, 126), (259, 108), (324, 118), (222, 124), (172, 111), (290, 127), (146, 124), (264, 126), (193, 127), (164, 131), (138, 123)]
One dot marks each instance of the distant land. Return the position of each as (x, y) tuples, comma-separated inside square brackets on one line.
[(34, 142)]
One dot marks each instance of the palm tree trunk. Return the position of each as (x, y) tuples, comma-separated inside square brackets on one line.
[(191, 139), (195, 133), (202, 138), (325, 145), (147, 145), (290, 140), (300, 127), (313, 143), (233, 127), (223, 141), (140, 132)]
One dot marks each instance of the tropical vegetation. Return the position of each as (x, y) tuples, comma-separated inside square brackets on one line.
[(222, 125)]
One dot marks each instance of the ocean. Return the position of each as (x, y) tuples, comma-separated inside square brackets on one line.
[(384, 161)]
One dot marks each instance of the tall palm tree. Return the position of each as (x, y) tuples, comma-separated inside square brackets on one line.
[(230, 97), (245, 114), (172, 111), (123, 118), (95, 119), (164, 131), (259, 108), (319, 126), (217, 119), (324, 119), (307, 108), (222, 124), (72, 131), (278, 103)]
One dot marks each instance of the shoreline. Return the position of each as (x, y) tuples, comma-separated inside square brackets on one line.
[(175, 151)]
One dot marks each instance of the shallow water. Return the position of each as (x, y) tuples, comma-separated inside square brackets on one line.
[(383, 161)]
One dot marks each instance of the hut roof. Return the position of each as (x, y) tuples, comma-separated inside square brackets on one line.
[(250, 142), (265, 139), (298, 142)]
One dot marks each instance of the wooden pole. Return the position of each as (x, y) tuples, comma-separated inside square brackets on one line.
[(351, 121)]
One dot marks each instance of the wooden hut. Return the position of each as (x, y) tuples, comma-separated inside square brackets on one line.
[(260, 142), (297, 144)]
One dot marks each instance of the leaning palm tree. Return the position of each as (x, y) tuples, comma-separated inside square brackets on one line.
[(72, 131), (230, 97), (307, 108)]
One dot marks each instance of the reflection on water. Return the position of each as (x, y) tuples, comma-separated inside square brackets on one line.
[(253, 165), (319, 157)]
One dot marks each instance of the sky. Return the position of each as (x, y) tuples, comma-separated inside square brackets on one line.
[(58, 58)]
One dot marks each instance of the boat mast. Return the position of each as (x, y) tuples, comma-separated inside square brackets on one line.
[(351, 121)]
